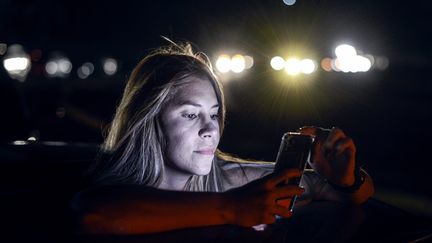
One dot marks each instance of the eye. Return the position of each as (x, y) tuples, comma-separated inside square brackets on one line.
[(215, 117), (190, 116)]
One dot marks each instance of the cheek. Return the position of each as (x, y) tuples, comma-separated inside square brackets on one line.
[(180, 144), (176, 132), (217, 137)]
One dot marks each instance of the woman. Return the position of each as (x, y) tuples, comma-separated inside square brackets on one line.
[(163, 170)]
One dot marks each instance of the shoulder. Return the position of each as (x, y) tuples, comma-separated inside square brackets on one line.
[(238, 173)]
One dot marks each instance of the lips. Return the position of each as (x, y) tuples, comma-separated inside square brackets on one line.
[(205, 151)]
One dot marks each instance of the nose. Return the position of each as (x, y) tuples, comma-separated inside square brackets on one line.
[(208, 130)]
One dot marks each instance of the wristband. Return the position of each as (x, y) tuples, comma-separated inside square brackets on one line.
[(359, 180)]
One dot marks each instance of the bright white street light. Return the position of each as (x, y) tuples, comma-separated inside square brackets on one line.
[(17, 62), (307, 66), (223, 63), (277, 63), (345, 51), (238, 63), (293, 66)]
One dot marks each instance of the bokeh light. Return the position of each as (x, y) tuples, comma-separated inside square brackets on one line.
[(353, 64), (65, 66), (289, 2), (347, 60), (344, 64), (238, 63), (277, 63), (249, 62), (326, 64), (345, 51), (110, 66), (335, 65), (85, 70), (371, 59), (362, 64), (17, 62), (382, 63), (51, 68), (58, 66), (293, 66), (223, 63), (307, 66)]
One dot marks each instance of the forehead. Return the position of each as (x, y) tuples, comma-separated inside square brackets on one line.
[(196, 89)]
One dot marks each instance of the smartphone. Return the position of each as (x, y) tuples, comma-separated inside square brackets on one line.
[(294, 153)]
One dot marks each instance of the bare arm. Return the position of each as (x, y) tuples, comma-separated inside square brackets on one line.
[(137, 209), (317, 188)]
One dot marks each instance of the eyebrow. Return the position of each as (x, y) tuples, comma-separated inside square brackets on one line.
[(188, 102)]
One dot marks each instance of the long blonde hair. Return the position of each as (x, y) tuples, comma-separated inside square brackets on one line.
[(134, 147)]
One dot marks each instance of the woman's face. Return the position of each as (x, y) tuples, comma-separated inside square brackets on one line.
[(191, 126)]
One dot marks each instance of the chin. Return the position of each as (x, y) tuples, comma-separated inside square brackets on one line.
[(205, 168), (203, 172)]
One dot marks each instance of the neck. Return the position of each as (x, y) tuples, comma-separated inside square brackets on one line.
[(174, 180)]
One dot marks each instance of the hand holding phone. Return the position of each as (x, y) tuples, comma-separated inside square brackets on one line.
[(294, 153)]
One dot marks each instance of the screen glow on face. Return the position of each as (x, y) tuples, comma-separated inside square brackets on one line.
[(191, 127)]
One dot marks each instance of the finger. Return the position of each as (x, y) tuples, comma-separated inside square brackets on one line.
[(317, 148), (308, 130), (320, 134), (281, 211), (286, 202), (282, 176), (287, 191), (333, 137), (345, 145), (314, 131)]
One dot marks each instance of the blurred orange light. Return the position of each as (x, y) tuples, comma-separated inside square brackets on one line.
[(326, 64)]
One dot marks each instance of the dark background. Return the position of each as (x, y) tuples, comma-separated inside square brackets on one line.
[(385, 111)]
